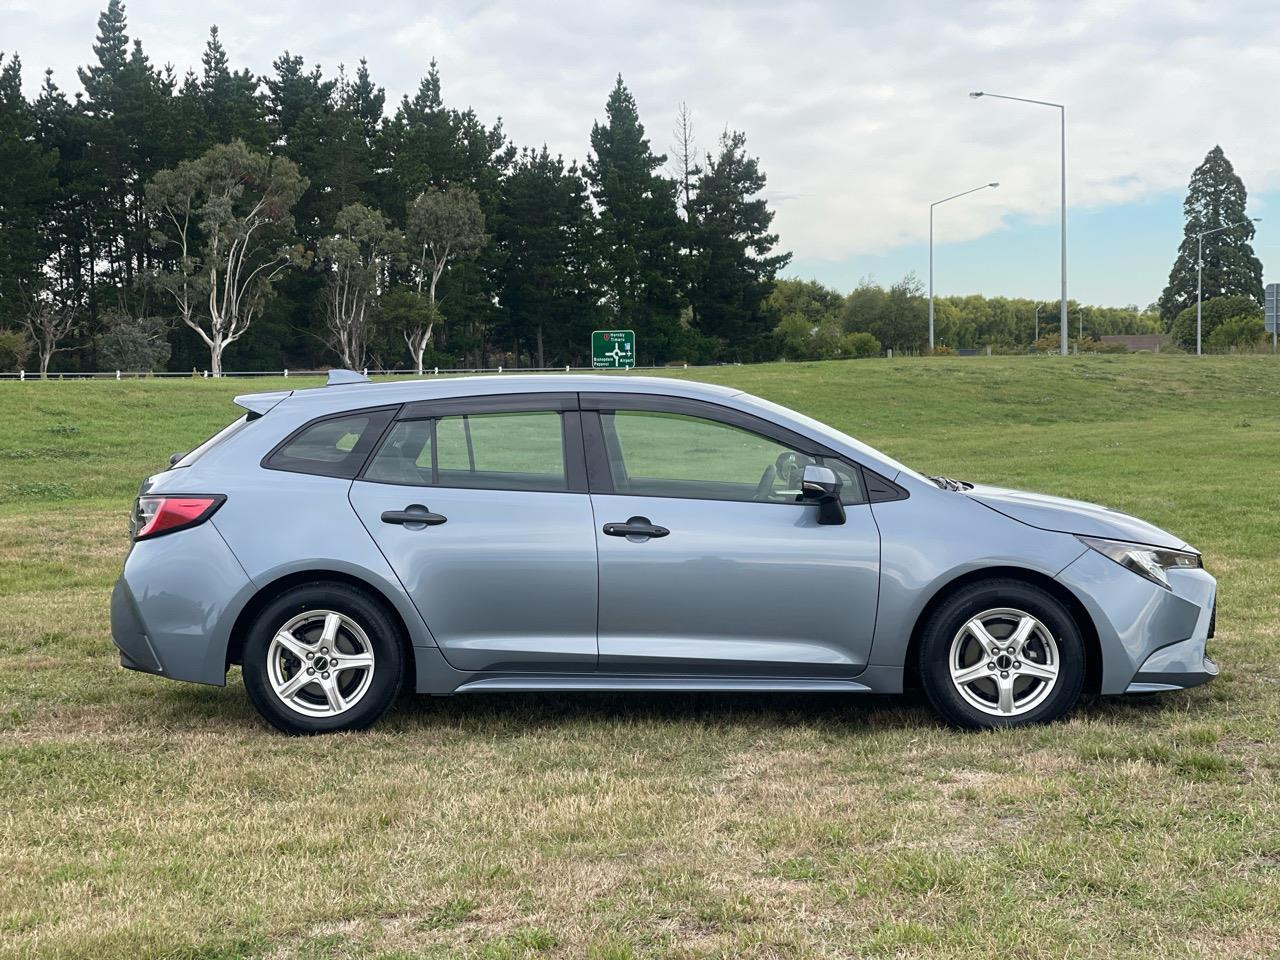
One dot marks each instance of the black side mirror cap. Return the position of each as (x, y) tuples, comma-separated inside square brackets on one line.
[(820, 485)]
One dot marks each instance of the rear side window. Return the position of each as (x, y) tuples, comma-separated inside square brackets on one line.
[(491, 451), (331, 447)]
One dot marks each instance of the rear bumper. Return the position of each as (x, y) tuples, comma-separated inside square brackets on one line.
[(1151, 638), (174, 605)]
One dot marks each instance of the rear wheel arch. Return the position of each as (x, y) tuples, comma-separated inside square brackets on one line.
[(1084, 622), (247, 617)]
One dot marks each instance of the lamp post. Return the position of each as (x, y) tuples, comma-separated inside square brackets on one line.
[(1063, 116), (931, 206), (1200, 266), (1037, 324)]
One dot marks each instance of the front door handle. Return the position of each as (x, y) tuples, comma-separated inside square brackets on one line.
[(415, 517), (635, 527)]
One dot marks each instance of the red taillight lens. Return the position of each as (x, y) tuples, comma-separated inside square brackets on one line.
[(157, 515)]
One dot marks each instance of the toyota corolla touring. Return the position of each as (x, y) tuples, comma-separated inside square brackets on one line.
[(566, 533)]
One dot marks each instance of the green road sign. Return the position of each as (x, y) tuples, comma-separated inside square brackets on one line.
[(613, 348)]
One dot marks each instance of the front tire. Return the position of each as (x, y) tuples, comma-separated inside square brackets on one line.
[(1001, 653), (323, 657)]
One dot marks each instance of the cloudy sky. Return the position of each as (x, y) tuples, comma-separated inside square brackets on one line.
[(858, 110)]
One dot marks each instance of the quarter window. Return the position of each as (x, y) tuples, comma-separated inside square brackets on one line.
[(674, 455), (494, 451), (333, 447)]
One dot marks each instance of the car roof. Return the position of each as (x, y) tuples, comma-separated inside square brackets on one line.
[(350, 396)]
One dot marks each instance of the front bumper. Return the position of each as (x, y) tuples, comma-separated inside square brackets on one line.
[(175, 603), (1151, 638)]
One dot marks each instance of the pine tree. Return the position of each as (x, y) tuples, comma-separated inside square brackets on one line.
[(734, 265), (230, 102), (545, 231), (1215, 198), (26, 190), (639, 229)]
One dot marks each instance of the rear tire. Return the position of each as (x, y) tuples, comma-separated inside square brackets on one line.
[(323, 657), (1001, 653)]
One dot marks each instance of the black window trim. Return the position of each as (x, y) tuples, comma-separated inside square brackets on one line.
[(875, 488), (370, 440), (564, 404)]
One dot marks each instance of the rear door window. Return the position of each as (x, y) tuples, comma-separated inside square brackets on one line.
[(494, 451)]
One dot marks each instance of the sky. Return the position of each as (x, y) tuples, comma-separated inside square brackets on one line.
[(858, 111)]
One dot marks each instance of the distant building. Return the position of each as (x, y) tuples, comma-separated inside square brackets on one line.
[(1140, 341)]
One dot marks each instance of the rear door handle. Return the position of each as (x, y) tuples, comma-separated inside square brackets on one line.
[(415, 516), (635, 527)]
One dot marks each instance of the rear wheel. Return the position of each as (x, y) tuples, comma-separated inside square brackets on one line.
[(323, 657), (1002, 653)]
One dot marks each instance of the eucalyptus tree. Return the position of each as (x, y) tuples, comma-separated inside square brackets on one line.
[(444, 226), (226, 223), (356, 257)]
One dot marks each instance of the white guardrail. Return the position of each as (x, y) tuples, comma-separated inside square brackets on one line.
[(368, 372)]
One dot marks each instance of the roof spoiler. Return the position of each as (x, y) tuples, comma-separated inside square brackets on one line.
[(338, 377), (259, 403)]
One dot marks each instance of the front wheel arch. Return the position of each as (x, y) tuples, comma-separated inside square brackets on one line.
[(1088, 632)]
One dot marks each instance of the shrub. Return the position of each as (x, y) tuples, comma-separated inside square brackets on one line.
[(860, 345), (1237, 332), (943, 351), (135, 344), (1214, 312), (14, 350)]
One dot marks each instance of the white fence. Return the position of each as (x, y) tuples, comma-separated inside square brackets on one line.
[(205, 374)]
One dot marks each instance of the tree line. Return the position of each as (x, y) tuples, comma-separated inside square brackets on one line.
[(222, 219), (219, 217)]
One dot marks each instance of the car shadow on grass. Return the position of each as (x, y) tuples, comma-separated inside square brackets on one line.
[(519, 714)]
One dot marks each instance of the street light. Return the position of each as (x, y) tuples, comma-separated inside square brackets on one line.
[(931, 206), (1063, 110), (1200, 266)]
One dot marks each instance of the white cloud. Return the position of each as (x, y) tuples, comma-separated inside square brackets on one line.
[(858, 110)]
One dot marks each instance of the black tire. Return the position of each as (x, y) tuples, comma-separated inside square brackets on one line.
[(986, 596), (383, 640)]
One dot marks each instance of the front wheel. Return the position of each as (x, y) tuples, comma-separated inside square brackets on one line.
[(1002, 653), (323, 657)]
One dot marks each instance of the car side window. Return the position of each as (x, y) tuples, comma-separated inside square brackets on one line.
[(492, 451), (675, 455), (331, 447)]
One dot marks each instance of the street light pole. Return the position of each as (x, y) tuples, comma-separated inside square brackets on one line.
[(1037, 323), (1200, 267), (931, 206), (1063, 243)]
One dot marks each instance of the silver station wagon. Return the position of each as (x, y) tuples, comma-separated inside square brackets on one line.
[(565, 533)]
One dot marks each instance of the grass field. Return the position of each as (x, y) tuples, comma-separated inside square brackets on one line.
[(142, 817)]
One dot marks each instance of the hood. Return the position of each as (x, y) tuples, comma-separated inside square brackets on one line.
[(1072, 516)]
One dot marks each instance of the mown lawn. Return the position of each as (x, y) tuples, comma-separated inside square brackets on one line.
[(142, 817)]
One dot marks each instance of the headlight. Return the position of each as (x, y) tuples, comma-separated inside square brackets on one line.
[(1145, 561)]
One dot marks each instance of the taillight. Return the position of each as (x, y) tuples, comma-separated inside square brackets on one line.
[(154, 515)]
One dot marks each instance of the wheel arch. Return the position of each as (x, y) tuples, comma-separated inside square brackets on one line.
[(267, 593), (1088, 631)]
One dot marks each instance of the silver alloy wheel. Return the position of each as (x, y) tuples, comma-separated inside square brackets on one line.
[(1004, 662), (320, 663)]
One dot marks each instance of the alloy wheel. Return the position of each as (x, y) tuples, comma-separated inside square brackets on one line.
[(1004, 662), (320, 663)]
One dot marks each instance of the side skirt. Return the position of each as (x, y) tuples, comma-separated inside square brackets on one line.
[(531, 682)]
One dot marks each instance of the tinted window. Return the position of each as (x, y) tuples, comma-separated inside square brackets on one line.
[(496, 451), (334, 447), (673, 455)]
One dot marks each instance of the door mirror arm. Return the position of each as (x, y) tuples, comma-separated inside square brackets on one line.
[(820, 485)]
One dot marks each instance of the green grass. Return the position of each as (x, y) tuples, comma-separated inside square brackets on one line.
[(142, 817)]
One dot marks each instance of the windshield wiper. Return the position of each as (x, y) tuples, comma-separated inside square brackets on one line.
[(946, 483)]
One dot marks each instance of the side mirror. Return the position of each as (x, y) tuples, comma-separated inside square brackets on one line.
[(820, 485), (173, 460)]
